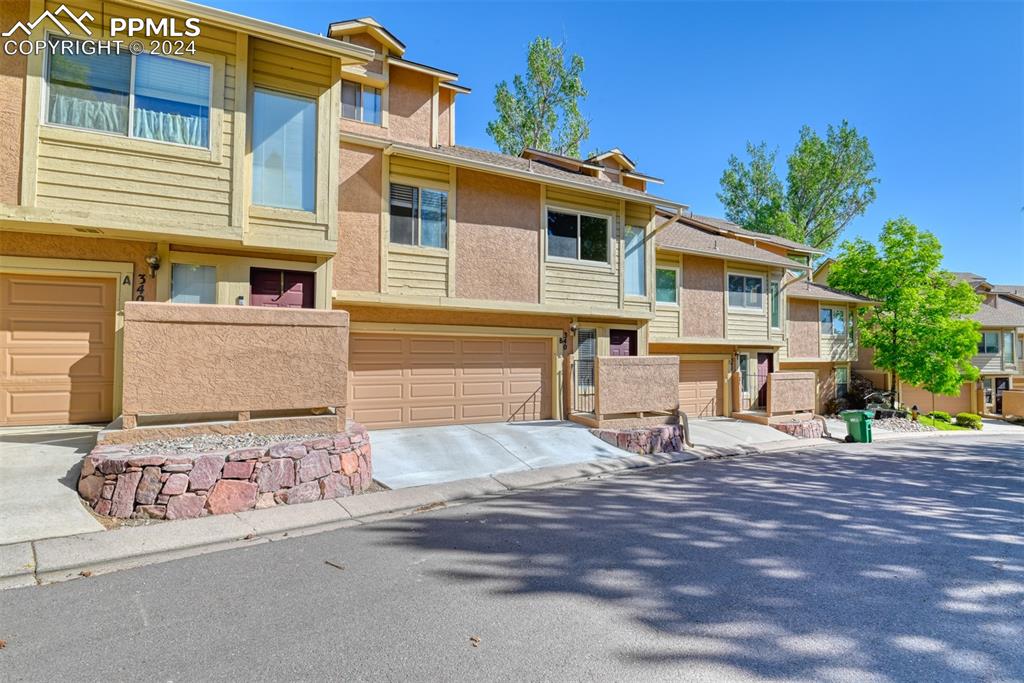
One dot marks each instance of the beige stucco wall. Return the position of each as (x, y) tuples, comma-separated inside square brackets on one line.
[(12, 90), (435, 316), (1013, 403), (357, 266), (803, 328), (791, 392), (702, 295), (182, 358), (926, 401), (498, 238), (633, 384), (409, 95), (445, 99), (89, 249)]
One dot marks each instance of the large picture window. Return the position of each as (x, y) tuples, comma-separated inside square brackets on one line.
[(746, 292), (283, 151), (580, 237), (360, 102), (636, 271), (140, 96), (419, 216)]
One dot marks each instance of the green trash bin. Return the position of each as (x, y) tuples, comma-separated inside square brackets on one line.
[(858, 425)]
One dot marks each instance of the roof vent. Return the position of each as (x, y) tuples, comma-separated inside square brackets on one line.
[(89, 231)]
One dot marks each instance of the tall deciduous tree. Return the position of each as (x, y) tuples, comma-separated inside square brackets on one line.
[(920, 331), (828, 184), (541, 109)]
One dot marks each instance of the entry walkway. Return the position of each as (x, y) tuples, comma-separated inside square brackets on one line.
[(432, 455), (38, 474), (727, 434)]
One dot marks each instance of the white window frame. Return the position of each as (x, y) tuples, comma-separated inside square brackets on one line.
[(250, 122), (846, 321), (184, 262), (44, 108), (747, 310), (643, 264), (362, 89), (666, 304), (609, 222), (419, 217)]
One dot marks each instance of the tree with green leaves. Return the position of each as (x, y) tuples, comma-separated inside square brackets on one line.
[(920, 330), (828, 184), (542, 108)]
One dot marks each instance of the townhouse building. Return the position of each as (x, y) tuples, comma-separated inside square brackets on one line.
[(276, 168)]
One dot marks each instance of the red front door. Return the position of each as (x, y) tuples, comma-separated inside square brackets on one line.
[(623, 342), (764, 367), (281, 288)]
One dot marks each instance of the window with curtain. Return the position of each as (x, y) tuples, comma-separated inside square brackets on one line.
[(193, 284), (746, 292), (360, 102), (171, 97), (773, 290), (636, 271), (172, 101), (989, 343), (283, 151), (419, 216), (577, 236), (666, 285)]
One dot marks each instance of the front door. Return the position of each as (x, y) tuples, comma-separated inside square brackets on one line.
[(1002, 384), (764, 368), (281, 288), (623, 342)]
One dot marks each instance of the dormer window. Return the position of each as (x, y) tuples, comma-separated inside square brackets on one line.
[(360, 102)]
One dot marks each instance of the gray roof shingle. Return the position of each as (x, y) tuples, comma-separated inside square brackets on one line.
[(1008, 313), (682, 237), (723, 224), (812, 290)]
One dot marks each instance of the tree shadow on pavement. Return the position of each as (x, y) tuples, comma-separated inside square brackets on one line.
[(836, 563)]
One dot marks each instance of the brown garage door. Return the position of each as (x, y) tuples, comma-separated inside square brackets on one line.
[(56, 349), (701, 389), (412, 381), (915, 396)]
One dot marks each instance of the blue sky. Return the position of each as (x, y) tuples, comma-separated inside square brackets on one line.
[(938, 88)]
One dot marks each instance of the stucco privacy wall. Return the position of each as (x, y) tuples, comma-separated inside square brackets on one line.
[(88, 249), (1013, 403), (498, 238), (927, 401), (12, 97), (703, 302), (194, 358), (635, 384), (359, 211), (434, 316), (803, 328), (790, 392)]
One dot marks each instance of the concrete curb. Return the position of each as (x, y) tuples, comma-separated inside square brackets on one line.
[(69, 557)]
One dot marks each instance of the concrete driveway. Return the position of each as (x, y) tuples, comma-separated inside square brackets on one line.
[(727, 434), (431, 455), (38, 473)]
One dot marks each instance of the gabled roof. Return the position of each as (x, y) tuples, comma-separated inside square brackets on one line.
[(369, 25), (1009, 313), (482, 159), (975, 280), (693, 239), (729, 226), (803, 289), (618, 155)]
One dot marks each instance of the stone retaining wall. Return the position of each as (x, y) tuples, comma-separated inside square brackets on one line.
[(180, 486), (801, 429), (644, 440)]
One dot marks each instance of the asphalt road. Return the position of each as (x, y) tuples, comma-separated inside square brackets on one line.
[(901, 561)]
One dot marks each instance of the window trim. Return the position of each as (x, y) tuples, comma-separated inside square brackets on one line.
[(362, 88), (44, 91), (610, 222), (270, 210), (676, 272), (836, 382), (775, 325), (643, 296), (833, 333), (418, 246), (982, 345), (177, 261), (747, 310)]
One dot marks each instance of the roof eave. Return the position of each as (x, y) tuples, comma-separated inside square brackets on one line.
[(730, 257)]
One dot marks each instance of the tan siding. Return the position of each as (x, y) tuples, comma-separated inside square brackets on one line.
[(638, 214), (582, 201), (666, 323), (742, 324), (419, 169), (277, 64), (987, 363), (836, 347), (568, 283), (417, 273)]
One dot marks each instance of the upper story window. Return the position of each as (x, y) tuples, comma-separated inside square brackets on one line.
[(1008, 348), (666, 285), (283, 151), (989, 343), (774, 302), (577, 236), (139, 96), (636, 271), (360, 102), (746, 292), (419, 216), (833, 321)]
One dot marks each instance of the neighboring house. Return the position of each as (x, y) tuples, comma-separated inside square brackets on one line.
[(206, 178)]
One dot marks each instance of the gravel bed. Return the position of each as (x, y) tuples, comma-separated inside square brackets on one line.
[(901, 424), (218, 442)]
